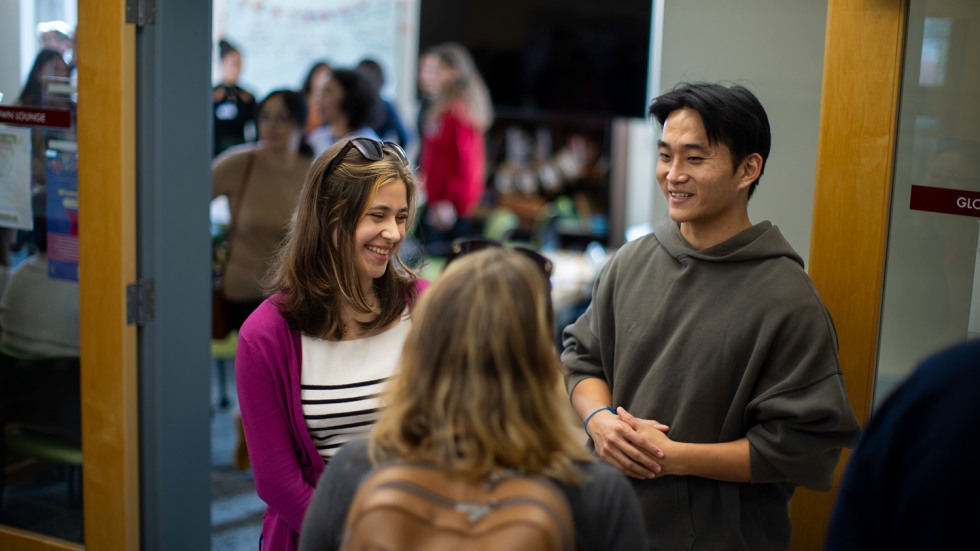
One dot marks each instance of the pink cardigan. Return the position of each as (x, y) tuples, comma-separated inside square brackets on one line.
[(285, 462)]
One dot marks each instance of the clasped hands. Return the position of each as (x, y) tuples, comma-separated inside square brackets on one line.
[(638, 448)]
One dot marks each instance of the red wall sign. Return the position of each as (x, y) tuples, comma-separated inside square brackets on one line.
[(36, 116), (946, 201)]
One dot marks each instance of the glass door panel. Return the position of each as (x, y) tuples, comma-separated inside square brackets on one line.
[(932, 285), (40, 411)]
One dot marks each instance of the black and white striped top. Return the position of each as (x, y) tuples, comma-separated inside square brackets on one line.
[(341, 384)]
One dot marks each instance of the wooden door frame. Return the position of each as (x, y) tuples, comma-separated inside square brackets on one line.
[(107, 211), (863, 61), (107, 264)]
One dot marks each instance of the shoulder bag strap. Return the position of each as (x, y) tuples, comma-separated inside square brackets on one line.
[(238, 206)]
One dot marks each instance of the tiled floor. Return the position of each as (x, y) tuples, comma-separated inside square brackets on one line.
[(236, 510)]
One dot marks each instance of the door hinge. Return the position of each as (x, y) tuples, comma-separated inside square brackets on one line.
[(140, 302), (140, 12)]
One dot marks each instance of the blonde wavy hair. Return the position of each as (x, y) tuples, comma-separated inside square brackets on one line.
[(314, 268), (479, 384)]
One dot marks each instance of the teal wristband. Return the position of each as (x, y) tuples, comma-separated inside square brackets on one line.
[(585, 424)]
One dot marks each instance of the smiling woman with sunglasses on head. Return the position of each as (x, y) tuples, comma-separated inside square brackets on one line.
[(313, 358)]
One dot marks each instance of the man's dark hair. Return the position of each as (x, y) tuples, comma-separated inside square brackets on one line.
[(732, 116)]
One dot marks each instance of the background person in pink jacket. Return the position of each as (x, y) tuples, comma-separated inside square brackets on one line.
[(313, 358)]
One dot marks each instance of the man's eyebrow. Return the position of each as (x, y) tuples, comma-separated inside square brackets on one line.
[(697, 146)]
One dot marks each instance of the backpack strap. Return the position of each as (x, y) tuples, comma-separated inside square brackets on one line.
[(510, 490)]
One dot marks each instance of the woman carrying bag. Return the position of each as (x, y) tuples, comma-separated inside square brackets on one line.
[(262, 182)]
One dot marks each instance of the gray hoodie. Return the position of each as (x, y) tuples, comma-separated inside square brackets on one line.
[(722, 343)]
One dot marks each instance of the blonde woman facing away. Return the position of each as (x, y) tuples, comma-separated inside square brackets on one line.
[(313, 358), (478, 393)]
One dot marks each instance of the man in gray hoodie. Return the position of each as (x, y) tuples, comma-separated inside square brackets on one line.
[(706, 366)]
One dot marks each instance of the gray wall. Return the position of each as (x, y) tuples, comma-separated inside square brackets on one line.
[(775, 48)]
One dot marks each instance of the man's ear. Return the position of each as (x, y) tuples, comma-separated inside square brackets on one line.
[(749, 170)]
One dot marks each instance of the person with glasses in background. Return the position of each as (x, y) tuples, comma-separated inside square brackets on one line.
[(478, 394), (256, 186), (313, 358), (262, 182)]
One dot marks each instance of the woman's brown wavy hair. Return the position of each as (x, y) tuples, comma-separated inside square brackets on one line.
[(314, 270), (479, 385)]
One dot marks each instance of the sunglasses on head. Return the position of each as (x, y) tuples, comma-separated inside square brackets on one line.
[(463, 247), (370, 149)]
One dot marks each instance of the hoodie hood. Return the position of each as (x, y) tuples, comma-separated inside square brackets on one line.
[(761, 241)]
